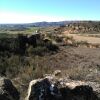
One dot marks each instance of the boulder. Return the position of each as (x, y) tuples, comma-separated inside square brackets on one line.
[(43, 89), (7, 90), (51, 88)]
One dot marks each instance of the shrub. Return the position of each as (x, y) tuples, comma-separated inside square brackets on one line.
[(52, 47), (37, 50), (77, 73)]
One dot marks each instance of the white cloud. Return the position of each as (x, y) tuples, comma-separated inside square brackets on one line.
[(6, 17)]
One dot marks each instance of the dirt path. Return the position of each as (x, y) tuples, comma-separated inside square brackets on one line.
[(89, 39)]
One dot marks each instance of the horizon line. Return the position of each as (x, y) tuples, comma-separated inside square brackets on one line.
[(53, 21)]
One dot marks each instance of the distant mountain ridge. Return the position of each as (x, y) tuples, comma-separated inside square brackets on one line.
[(39, 24), (47, 24), (95, 24)]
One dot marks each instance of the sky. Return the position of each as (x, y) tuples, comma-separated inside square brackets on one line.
[(28, 11)]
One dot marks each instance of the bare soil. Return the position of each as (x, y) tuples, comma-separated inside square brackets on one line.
[(74, 57), (89, 39)]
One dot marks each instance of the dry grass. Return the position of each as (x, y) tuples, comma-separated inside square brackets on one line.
[(78, 73), (89, 39)]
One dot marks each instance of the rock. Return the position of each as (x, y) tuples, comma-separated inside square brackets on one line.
[(43, 89), (60, 89), (7, 90), (57, 73)]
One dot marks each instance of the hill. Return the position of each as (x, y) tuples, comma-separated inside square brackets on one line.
[(25, 57), (84, 27), (37, 24)]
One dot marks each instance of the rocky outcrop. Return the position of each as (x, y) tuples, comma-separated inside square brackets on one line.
[(7, 90), (50, 88)]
